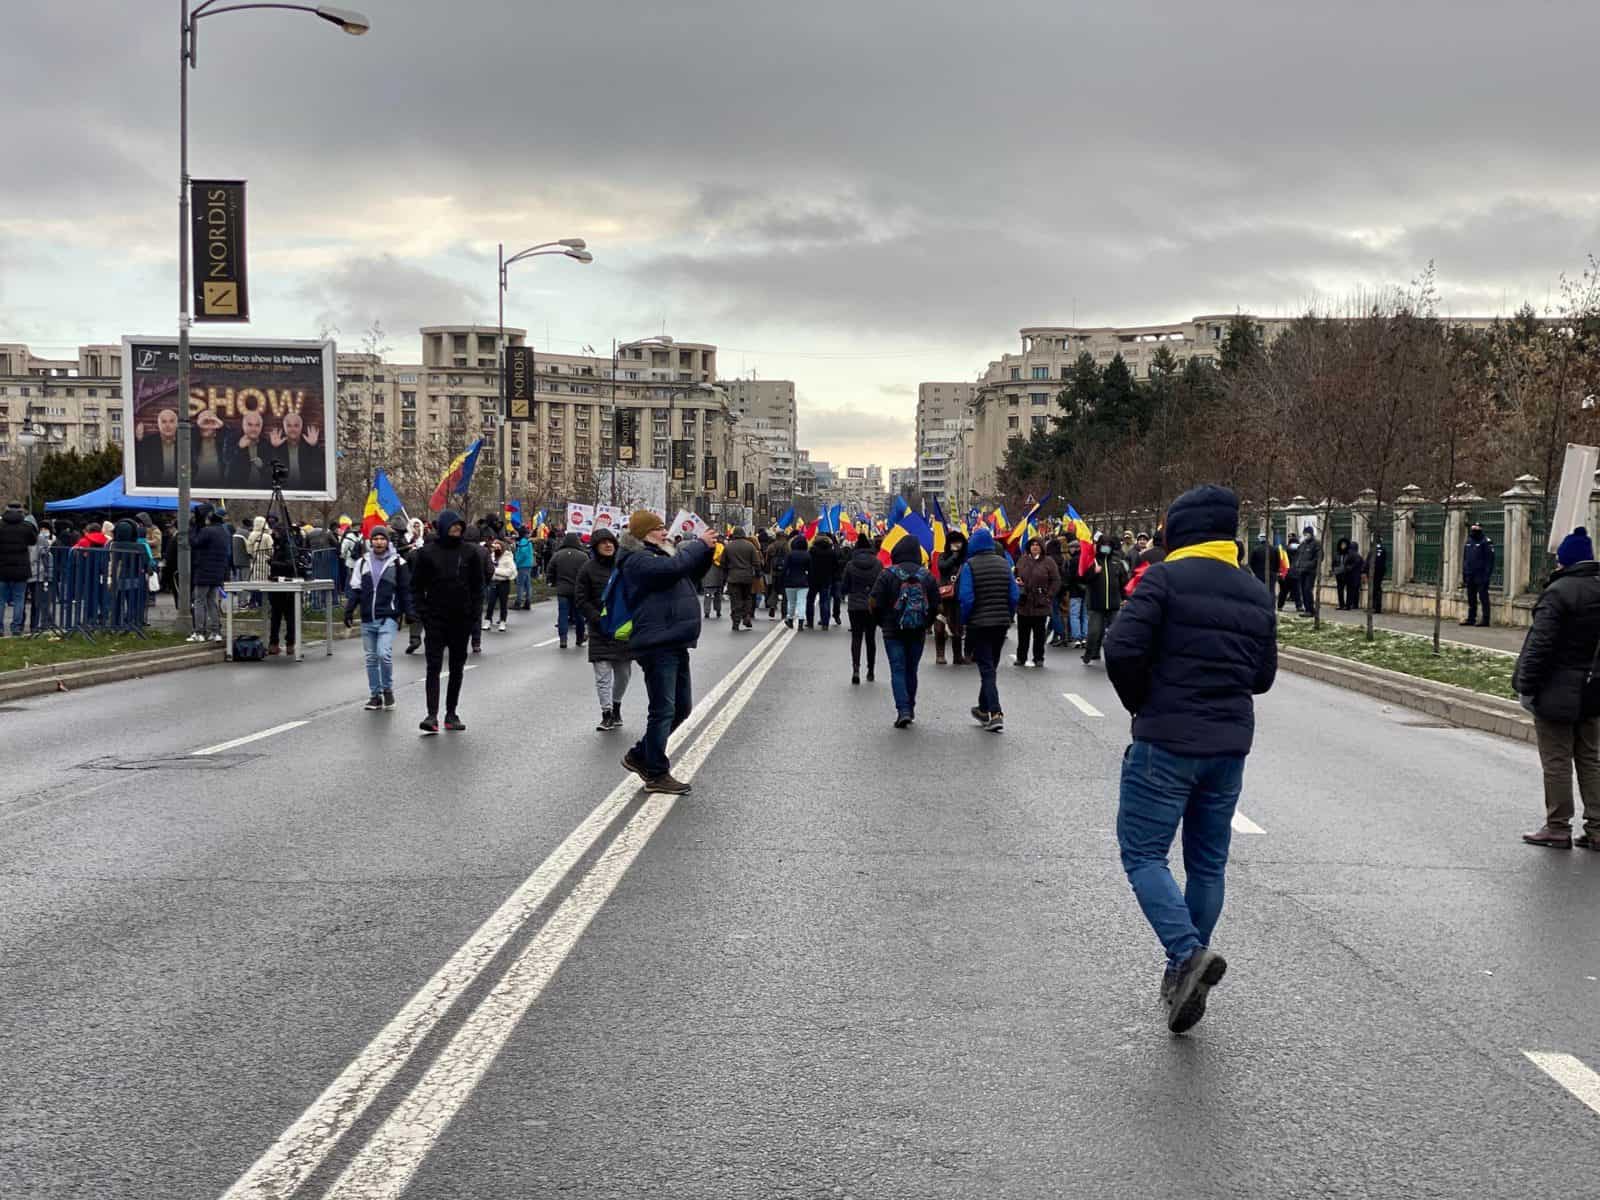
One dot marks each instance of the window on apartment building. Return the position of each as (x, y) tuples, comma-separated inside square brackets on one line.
[(1040, 399), (1041, 372), (1012, 400), (1040, 423), (1016, 372), (1013, 421)]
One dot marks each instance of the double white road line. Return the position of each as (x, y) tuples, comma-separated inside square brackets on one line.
[(385, 1164)]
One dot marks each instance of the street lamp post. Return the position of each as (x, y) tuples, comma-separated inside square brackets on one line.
[(346, 19), (575, 248)]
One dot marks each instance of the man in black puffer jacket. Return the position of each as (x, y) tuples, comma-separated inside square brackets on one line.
[(824, 569), (1557, 656), (210, 559), (17, 538), (566, 564), (1193, 644), (447, 590)]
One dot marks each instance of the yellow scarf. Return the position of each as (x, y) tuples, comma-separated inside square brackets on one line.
[(1223, 552)]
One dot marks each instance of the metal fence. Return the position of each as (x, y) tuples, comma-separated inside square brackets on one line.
[(96, 591), (1541, 563), (1493, 519), (1428, 544)]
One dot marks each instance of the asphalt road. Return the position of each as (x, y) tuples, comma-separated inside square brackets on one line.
[(343, 960)]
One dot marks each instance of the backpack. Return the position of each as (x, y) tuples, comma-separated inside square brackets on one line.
[(911, 604), (247, 647), (616, 610)]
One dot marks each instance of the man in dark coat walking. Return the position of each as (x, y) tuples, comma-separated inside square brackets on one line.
[(741, 560), (663, 591), (823, 570), (447, 589), (1193, 645), (566, 564), (1552, 675)]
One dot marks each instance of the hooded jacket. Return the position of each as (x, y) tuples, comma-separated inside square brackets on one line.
[(1560, 644), (824, 565), (43, 562), (860, 574), (566, 564), (905, 566), (664, 591), (797, 564), (447, 579), (741, 559), (210, 550), (1198, 639), (382, 593), (1103, 589), (986, 587), (17, 539), (258, 546), (590, 588)]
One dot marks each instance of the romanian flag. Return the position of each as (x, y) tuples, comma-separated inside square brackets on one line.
[(383, 504), (1078, 526), (941, 531), (1283, 561), (787, 521), (457, 476), (513, 514), (847, 528), (1025, 531), (909, 525)]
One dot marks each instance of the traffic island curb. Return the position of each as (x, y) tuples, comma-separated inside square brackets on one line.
[(25, 682), (1459, 706)]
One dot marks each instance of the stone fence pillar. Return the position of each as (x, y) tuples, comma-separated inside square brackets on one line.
[(1403, 548), (1455, 532), (1523, 496), (1362, 509)]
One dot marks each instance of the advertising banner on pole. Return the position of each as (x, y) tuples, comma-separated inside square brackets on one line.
[(262, 411), (708, 478), (680, 460), (216, 208), (519, 383), (625, 434)]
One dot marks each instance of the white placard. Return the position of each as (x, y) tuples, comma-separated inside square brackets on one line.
[(1572, 501)]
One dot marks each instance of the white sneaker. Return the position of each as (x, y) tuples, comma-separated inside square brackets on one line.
[(216, 637), (195, 637), (501, 627), (487, 623)]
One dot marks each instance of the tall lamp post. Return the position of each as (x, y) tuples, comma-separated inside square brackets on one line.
[(575, 248), (346, 19), (34, 435)]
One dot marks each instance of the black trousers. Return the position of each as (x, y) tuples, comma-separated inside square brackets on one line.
[(499, 591), (1030, 629), (1099, 622), (281, 605), (863, 629), (1477, 596), (452, 635)]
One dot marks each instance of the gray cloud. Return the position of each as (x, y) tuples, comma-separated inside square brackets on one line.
[(403, 296)]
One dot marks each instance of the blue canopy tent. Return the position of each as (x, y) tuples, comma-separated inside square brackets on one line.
[(111, 496)]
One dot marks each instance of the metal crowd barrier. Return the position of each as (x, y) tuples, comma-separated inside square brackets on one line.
[(97, 591)]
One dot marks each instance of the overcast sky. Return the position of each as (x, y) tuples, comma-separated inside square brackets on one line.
[(854, 194)]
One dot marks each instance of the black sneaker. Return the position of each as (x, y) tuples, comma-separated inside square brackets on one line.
[(1186, 999), (374, 703), (563, 645), (665, 785), (430, 724), (413, 647), (388, 699), (870, 676), (605, 725), (902, 722), (996, 723), (616, 714), (634, 765), (855, 679), (454, 723), (981, 717)]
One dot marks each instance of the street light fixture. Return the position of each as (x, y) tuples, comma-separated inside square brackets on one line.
[(573, 248), (351, 22)]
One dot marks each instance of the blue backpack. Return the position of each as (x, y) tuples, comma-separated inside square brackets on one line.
[(911, 604), (616, 609)]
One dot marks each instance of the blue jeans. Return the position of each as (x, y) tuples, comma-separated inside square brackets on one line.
[(14, 594), (986, 643), (793, 610), (568, 614), (1160, 790), (813, 595), (904, 654), (666, 680), (1077, 625), (377, 639), (1058, 627), (524, 586)]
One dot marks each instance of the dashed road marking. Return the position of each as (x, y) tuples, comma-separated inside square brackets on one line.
[(1243, 824), (302, 1147), (385, 1165), (1082, 705), (1571, 1073), (546, 642), (254, 737)]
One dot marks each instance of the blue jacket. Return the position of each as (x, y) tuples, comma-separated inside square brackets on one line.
[(797, 565), (1477, 561), (387, 599), (1196, 640), (523, 554), (210, 555), (664, 592), (979, 586)]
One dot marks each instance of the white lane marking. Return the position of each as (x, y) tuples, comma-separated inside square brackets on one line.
[(470, 667), (1571, 1073), (546, 642), (254, 737), (384, 1166), (301, 1148), (1082, 705), (1243, 824)]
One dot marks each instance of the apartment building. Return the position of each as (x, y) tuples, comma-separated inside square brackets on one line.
[(944, 412), (768, 400), (774, 451), (901, 479), (66, 403), (452, 397)]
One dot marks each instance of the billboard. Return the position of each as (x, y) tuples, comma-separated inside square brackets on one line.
[(639, 487), (261, 409)]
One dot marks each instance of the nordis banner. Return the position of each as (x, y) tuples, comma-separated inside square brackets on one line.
[(216, 207), (261, 412)]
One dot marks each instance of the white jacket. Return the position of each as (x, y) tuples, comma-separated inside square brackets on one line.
[(505, 567)]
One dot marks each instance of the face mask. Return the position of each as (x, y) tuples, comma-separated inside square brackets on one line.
[(1477, 535), (1104, 550)]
